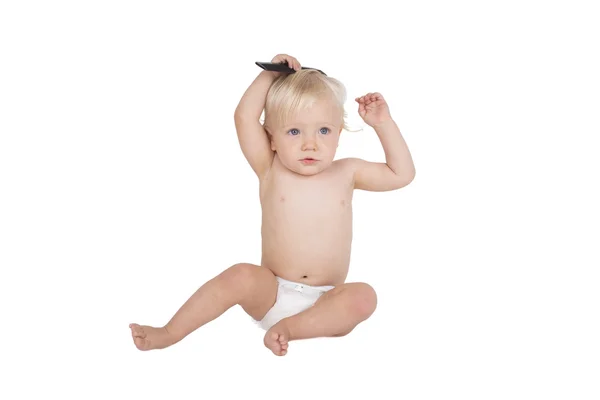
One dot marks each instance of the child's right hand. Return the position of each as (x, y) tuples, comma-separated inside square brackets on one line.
[(284, 58)]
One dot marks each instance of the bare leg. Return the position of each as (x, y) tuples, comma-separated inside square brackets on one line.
[(251, 286), (336, 313)]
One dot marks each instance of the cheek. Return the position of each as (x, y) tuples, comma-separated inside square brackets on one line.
[(281, 143), (331, 141), (286, 146), (291, 142)]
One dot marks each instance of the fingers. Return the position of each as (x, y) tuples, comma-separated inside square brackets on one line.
[(364, 98), (369, 97), (292, 62)]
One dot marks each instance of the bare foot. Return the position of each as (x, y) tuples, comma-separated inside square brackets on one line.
[(276, 339), (150, 338)]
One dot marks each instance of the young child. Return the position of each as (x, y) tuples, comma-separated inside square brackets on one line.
[(298, 291)]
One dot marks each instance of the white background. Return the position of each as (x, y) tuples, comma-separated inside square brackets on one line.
[(123, 189)]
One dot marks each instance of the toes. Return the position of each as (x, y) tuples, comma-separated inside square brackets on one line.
[(277, 343), (137, 331), (140, 343)]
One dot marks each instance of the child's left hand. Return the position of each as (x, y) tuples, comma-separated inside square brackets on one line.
[(373, 109)]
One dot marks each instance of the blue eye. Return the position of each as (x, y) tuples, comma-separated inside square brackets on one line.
[(326, 131), (293, 134)]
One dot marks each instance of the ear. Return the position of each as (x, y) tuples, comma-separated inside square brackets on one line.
[(270, 137)]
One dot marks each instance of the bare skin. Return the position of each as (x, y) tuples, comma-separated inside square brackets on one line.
[(315, 212), (307, 235), (306, 238), (252, 287), (307, 224), (306, 221)]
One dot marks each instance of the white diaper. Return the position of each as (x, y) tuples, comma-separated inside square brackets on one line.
[(292, 299)]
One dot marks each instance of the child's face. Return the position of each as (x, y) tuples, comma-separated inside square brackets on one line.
[(312, 133)]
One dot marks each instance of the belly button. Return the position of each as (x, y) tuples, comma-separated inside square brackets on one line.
[(305, 276)]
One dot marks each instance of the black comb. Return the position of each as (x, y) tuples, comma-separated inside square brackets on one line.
[(282, 67)]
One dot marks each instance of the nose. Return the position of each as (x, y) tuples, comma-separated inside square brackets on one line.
[(309, 143)]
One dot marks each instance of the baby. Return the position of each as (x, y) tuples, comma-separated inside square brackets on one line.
[(298, 291)]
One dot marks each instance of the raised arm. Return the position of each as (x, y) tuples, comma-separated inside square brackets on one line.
[(398, 170), (253, 138)]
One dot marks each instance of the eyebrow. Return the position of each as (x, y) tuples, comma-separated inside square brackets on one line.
[(300, 124)]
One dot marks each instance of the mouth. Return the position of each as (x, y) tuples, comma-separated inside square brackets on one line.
[(308, 160)]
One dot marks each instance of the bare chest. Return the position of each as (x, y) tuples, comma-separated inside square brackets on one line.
[(307, 200), (307, 224)]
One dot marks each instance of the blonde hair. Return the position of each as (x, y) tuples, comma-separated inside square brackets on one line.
[(300, 90)]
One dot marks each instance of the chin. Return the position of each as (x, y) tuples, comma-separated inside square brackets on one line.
[(313, 171)]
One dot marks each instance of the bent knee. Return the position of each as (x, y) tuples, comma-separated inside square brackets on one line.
[(364, 300), (240, 277)]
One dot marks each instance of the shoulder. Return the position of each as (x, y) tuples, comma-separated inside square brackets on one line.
[(348, 164), (347, 167)]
